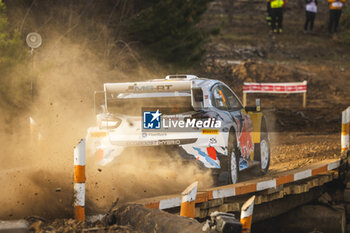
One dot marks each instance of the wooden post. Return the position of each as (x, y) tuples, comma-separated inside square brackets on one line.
[(244, 99), (247, 215), (188, 201), (304, 94), (304, 100), (79, 181)]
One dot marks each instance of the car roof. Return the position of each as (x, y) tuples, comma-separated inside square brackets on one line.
[(200, 82)]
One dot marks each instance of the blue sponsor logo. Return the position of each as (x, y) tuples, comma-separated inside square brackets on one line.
[(152, 120)]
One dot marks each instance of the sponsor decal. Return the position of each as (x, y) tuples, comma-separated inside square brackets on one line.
[(206, 157), (144, 135), (246, 142), (210, 131), (136, 88), (152, 143), (169, 142), (212, 141)]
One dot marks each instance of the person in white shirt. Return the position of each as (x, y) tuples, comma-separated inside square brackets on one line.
[(311, 10)]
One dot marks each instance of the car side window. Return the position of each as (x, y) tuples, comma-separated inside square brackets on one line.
[(232, 101), (219, 99)]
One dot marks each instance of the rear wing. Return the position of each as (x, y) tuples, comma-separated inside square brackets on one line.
[(163, 87), (147, 87)]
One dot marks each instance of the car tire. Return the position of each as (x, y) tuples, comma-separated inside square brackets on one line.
[(233, 159), (264, 150)]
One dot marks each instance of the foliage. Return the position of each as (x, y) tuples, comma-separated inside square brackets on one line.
[(11, 49), (13, 83), (168, 29)]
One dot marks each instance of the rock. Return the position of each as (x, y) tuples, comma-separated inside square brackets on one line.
[(36, 226), (347, 195), (225, 223), (325, 198), (147, 220)]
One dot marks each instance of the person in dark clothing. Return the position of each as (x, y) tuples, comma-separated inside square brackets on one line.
[(335, 8), (277, 15), (277, 19), (311, 10), (334, 17)]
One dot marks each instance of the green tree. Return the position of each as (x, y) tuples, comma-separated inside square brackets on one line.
[(11, 48), (13, 82), (167, 28)]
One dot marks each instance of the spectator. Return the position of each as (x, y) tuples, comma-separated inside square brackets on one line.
[(311, 10), (268, 9), (277, 15), (335, 7)]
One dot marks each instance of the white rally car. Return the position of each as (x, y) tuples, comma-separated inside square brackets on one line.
[(201, 119)]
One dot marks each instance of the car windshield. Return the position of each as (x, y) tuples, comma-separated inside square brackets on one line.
[(133, 104)]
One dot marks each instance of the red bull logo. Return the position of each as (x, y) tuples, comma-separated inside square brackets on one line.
[(246, 142)]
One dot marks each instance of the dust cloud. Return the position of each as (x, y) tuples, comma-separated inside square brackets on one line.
[(36, 167), (138, 175)]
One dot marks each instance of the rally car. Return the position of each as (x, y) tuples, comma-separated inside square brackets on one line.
[(201, 119)]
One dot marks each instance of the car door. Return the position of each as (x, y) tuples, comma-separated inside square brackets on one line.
[(219, 102), (235, 108)]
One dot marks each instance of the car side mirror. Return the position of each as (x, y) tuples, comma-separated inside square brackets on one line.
[(197, 94)]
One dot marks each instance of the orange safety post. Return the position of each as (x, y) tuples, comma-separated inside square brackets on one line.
[(188, 201), (79, 181), (247, 215)]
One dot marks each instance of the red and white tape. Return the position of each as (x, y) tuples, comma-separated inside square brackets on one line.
[(300, 87)]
